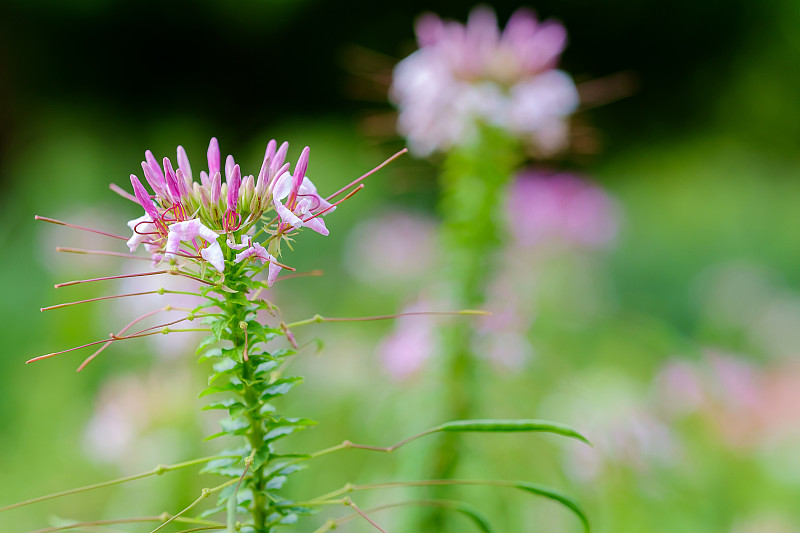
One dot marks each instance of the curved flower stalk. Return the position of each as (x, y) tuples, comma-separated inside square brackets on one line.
[(463, 76), (222, 236)]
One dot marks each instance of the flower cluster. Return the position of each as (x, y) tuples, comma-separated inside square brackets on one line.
[(184, 219), (462, 76)]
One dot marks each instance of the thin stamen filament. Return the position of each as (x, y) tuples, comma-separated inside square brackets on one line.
[(62, 223), (368, 174)]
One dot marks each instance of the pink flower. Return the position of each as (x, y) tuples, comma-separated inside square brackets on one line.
[(393, 247), (548, 208), (183, 211), (256, 251), (412, 342), (465, 75)]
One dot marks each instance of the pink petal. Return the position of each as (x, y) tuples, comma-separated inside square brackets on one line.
[(183, 163), (213, 156), (144, 198), (274, 270), (234, 182), (241, 256), (172, 180), (318, 225), (229, 164), (216, 187)]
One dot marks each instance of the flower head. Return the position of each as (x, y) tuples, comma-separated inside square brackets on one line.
[(464, 75), (183, 219)]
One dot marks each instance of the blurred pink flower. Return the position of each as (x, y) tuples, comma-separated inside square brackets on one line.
[(411, 343), (131, 412), (395, 246), (764, 523), (545, 208), (747, 405), (626, 432), (463, 75)]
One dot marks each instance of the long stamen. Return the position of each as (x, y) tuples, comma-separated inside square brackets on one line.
[(159, 326), (62, 223), (184, 275), (100, 252), (349, 195), (76, 282), (159, 291), (368, 174), (163, 328), (123, 330), (311, 273)]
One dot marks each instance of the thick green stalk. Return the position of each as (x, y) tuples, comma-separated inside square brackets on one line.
[(248, 374), (473, 182), (255, 438)]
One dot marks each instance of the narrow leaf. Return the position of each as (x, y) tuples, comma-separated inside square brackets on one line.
[(512, 425), (563, 499)]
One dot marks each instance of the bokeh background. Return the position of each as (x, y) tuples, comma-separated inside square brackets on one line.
[(673, 343)]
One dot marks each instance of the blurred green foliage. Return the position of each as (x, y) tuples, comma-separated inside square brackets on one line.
[(703, 160)]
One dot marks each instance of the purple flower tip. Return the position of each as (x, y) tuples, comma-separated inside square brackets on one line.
[(301, 167), (172, 180), (144, 198), (183, 163), (213, 157), (153, 164), (234, 182), (229, 164), (280, 157)]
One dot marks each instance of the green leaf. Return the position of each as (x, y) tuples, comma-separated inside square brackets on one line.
[(222, 404), (228, 387), (264, 368), (470, 512), (205, 343), (216, 464), (563, 499), (218, 328), (512, 425), (225, 364), (280, 387), (234, 427)]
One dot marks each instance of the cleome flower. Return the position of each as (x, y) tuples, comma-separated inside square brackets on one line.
[(466, 75), (183, 219)]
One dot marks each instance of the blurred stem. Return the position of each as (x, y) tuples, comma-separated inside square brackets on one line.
[(473, 182)]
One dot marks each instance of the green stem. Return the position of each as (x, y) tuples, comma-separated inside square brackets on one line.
[(205, 493), (158, 470), (207, 524)]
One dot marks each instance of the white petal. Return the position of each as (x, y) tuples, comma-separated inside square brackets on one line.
[(243, 255), (213, 254), (274, 270), (286, 215)]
